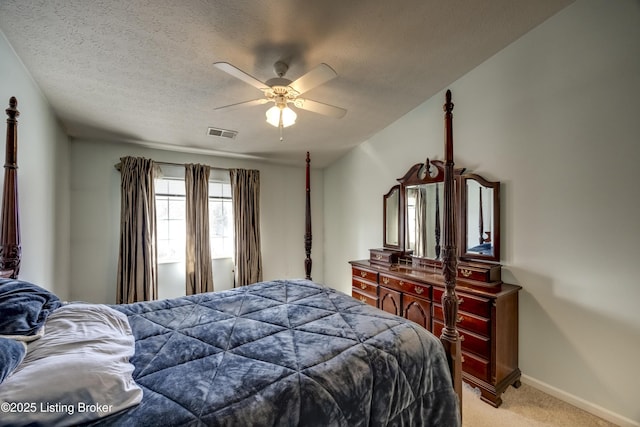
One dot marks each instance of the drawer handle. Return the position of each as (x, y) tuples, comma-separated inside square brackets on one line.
[(378, 256), (419, 290), (363, 273), (460, 301), (465, 272), (363, 286), (363, 299), (401, 283), (385, 280), (461, 359), (461, 338), (459, 319)]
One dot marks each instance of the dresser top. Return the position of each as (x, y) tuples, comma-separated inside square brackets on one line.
[(433, 276)]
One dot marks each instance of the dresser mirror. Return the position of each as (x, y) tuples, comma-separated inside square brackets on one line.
[(424, 216), (479, 218), (422, 188), (413, 214), (392, 232)]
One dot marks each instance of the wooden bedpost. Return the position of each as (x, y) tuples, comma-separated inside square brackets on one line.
[(10, 250), (450, 337), (307, 220)]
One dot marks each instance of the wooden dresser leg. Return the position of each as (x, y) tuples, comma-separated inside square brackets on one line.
[(494, 400)]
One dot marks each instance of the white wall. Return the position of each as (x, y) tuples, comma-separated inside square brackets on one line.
[(43, 177), (556, 118), (95, 215)]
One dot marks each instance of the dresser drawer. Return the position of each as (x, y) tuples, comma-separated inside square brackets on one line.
[(365, 274), (467, 321), (470, 342), (367, 299), (406, 286), (476, 366), (364, 287), (468, 303)]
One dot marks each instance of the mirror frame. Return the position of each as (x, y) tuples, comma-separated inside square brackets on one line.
[(416, 174), (463, 214), (400, 237)]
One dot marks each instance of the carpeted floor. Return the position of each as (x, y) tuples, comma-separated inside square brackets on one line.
[(526, 406)]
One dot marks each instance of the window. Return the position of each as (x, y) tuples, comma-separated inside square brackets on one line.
[(170, 219), (170, 222), (220, 220)]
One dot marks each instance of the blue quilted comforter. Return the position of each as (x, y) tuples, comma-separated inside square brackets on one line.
[(283, 353)]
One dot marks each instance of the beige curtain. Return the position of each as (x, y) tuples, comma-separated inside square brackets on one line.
[(245, 191), (138, 260), (198, 255)]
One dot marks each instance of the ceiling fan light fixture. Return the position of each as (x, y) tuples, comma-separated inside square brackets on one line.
[(273, 116), (288, 117), (281, 116)]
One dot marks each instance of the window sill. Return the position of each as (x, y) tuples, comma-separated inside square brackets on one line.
[(177, 261)]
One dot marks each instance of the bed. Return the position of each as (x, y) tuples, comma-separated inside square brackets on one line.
[(277, 353)]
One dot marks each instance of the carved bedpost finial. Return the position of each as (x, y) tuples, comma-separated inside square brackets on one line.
[(13, 102), (448, 105), (12, 111)]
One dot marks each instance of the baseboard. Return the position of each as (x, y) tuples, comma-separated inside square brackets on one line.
[(592, 408)]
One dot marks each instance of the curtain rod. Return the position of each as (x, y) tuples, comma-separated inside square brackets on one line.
[(119, 164)]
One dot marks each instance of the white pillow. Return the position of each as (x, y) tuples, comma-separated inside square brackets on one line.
[(78, 372)]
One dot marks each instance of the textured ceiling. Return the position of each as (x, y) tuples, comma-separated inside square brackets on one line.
[(141, 71)]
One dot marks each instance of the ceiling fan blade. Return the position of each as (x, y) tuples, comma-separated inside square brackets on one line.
[(320, 108), (322, 73), (239, 74), (242, 104)]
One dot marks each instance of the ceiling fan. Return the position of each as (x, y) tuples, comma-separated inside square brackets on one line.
[(282, 92)]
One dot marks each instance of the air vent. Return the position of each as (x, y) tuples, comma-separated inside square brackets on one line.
[(222, 133)]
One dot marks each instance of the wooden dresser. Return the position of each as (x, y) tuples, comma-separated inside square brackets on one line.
[(487, 316)]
